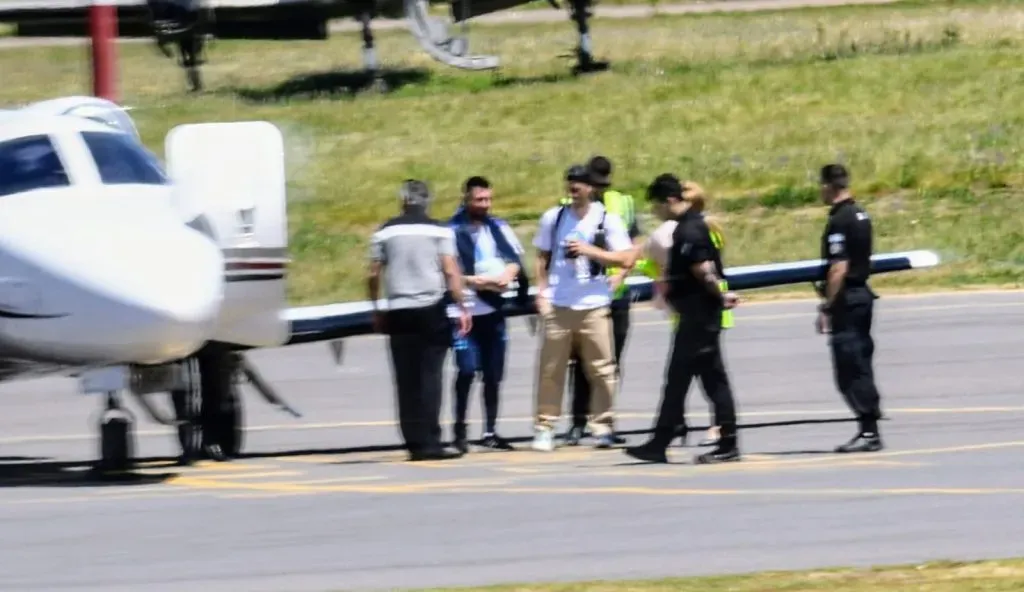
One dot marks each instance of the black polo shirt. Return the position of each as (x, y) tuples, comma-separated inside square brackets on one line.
[(847, 237), (691, 245)]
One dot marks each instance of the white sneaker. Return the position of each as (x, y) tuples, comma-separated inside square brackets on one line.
[(544, 440)]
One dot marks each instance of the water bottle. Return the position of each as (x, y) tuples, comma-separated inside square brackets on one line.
[(573, 235)]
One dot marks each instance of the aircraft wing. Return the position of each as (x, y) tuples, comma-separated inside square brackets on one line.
[(348, 319)]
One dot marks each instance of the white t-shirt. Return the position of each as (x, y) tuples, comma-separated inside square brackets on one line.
[(569, 281), (488, 264), (660, 243), (657, 248)]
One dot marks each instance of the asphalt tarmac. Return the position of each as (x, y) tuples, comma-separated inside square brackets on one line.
[(308, 511)]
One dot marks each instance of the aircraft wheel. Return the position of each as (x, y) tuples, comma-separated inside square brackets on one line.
[(116, 441), (187, 406)]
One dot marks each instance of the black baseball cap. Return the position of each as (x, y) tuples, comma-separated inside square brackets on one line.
[(664, 186), (579, 174)]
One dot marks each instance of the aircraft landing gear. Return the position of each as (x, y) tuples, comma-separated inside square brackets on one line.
[(371, 67), (187, 405), (209, 409), (116, 441), (221, 414), (585, 59), (185, 25)]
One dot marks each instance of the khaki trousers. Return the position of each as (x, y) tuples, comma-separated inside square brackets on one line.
[(591, 332)]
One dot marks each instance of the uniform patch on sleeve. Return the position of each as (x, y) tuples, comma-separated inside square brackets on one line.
[(835, 243)]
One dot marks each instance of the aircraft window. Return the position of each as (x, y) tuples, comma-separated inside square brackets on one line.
[(120, 160), (30, 163)]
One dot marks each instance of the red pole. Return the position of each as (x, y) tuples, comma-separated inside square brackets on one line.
[(103, 30)]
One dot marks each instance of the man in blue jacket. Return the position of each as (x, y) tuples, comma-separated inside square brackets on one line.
[(490, 257)]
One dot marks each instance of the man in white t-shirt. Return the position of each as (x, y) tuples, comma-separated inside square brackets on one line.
[(575, 244)]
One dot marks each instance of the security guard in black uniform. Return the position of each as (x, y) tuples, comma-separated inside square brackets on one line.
[(694, 279), (848, 305)]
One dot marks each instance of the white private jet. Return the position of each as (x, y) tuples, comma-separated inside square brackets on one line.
[(139, 279)]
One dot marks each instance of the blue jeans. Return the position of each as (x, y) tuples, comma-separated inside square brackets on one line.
[(483, 351)]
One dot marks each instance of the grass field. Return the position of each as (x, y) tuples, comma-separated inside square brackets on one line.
[(925, 102), (988, 576)]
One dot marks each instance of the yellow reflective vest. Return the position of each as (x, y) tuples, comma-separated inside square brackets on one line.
[(621, 205), (650, 269)]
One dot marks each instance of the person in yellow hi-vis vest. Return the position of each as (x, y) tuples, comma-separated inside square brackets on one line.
[(655, 260), (622, 205)]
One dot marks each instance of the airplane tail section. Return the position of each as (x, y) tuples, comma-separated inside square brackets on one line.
[(229, 183)]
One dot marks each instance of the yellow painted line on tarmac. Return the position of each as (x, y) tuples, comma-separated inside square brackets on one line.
[(508, 485), (262, 475), (343, 480)]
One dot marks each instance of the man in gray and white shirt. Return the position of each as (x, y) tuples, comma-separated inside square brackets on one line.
[(415, 254)]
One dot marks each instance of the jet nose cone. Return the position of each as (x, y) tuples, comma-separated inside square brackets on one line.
[(174, 293), (125, 281)]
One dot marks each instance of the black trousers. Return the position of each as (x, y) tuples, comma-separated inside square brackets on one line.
[(696, 353), (580, 385), (853, 351), (419, 339)]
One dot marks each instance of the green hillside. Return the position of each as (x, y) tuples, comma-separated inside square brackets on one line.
[(924, 102)]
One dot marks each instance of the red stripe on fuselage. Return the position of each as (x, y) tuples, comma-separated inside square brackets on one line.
[(255, 266)]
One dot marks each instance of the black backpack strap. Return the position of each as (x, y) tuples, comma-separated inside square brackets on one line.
[(554, 237)]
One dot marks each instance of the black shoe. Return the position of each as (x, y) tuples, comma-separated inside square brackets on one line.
[(647, 451), (460, 444), (719, 455), (574, 436), (434, 454), (214, 452), (682, 432), (864, 442), (495, 442), (617, 439)]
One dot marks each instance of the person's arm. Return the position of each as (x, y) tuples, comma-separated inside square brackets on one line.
[(378, 259), (450, 267), (638, 246), (842, 233), (544, 252), (621, 251), (511, 268), (697, 248)]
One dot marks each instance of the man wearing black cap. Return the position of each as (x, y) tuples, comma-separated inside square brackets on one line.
[(576, 245), (600, 170), (693, 291), (848, 305)]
